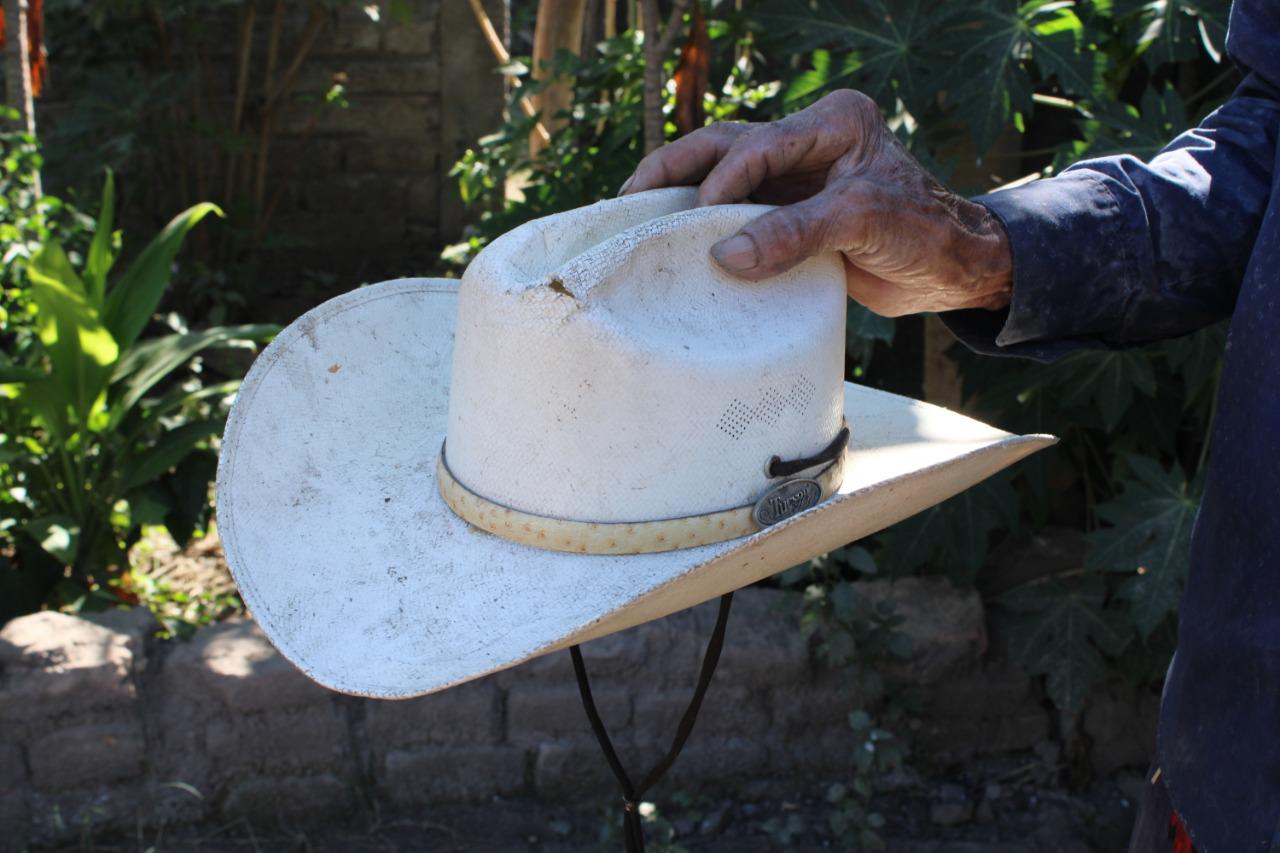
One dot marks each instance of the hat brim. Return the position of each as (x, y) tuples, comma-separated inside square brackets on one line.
[(356, 570)]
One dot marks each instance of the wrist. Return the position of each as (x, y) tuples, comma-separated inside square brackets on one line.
[(991, 262)]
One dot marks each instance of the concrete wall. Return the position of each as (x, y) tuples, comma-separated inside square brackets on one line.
[(101, 725)]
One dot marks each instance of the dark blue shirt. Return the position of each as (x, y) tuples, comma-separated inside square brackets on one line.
[(1115, 252)]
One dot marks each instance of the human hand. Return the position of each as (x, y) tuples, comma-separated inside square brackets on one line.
[(844, 184)]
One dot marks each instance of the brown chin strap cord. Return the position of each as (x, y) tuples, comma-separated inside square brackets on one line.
[(633, 833)]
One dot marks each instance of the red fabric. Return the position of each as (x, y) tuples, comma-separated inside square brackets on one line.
[(1181, 841)]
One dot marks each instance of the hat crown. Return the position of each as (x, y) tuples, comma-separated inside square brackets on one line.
[(605, 369)]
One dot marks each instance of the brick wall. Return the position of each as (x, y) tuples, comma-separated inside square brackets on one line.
[(102, 725), (363, 192), (371, 198)]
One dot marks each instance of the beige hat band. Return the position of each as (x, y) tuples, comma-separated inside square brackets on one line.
[(783, 500)]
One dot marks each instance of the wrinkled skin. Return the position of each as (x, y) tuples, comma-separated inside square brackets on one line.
[(845, 184)]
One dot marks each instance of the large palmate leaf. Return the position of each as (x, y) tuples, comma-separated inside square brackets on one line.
[(1149, 537), (135, 296), (1176, 30), (1114, 127), (1197, 359), (887, 50), (1107, 381), (952, 536), (1061, 629), (993, 40)]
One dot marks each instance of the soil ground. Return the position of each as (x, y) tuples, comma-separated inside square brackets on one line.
[(1009, 804)]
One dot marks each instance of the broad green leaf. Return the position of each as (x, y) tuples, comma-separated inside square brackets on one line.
[(81, 350), (171, 449), (889, 50), (173, 401), (952, 536), (12, 374), (1061, 629), (1149, 537), (1106, 380), (1113, 127), (1177, 30), (1197, 359), (152, 360), (134, 298), (994, 39), (844, 601), (101, 257), (149, 505), (58, 535)]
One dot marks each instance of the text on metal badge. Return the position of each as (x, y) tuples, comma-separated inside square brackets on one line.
[(785, 500)]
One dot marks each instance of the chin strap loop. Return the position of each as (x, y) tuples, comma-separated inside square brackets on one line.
[(632, 829)]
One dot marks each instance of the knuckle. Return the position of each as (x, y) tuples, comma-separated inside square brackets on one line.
[(851, 100)]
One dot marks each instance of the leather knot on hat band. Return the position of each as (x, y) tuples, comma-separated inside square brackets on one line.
[(788, 497)]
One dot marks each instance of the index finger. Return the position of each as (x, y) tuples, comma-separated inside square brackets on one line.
[(685, 161)]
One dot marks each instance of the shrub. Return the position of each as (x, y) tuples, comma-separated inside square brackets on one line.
[(102, 429)]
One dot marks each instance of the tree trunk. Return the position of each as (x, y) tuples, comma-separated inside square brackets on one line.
[(17, 64), (558, 27), (658, 41)]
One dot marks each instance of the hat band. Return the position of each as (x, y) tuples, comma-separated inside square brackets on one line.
[(786, 498)]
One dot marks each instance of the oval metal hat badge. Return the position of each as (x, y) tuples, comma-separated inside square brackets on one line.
[(785, 500)]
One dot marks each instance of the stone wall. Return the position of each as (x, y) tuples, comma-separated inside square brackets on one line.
[(101, 725)]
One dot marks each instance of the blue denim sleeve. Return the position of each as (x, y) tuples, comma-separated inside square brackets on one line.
[(1114, 252)]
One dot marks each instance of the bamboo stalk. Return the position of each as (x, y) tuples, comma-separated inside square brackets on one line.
[(309, 36), (500, 53), (242, 63)]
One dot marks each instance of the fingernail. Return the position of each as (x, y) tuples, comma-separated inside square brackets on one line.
[(628, 182), (737, 253)]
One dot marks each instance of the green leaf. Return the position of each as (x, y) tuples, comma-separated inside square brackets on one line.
[(101, 256), (890, 50), (1177, 30), (1107, 381), (1197, 359), (136, 295), (844, 601), (152, 360), (58, 535), (13, 374), (1149, 537), (1061, 629), (171, 449), (81, 350), (1114, 127), (994, 40), (954, 534)]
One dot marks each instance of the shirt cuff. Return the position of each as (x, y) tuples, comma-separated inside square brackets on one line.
[(1070, 268)]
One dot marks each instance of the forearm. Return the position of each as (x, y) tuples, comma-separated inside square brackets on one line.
[(1115, 252)]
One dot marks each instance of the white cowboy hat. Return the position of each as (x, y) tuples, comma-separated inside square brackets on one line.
[(630, 432)]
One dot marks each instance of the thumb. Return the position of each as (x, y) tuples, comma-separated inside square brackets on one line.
[(776, 241)]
